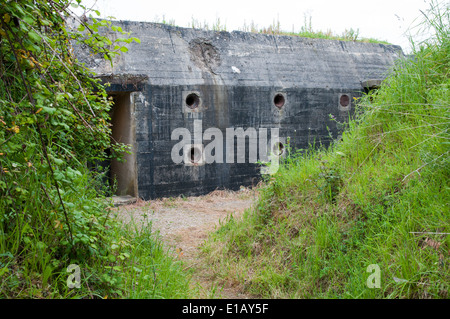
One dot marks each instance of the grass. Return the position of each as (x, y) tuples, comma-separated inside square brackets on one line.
[(151, 271), (306, 31), (139, 267), (126, 261), (376, 198)]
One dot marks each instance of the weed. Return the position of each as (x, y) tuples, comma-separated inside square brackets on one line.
[(306, 31)]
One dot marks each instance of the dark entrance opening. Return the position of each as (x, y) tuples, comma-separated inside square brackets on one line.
[(123, 174)]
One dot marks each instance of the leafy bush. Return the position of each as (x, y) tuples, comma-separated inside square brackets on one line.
[(53, 126)]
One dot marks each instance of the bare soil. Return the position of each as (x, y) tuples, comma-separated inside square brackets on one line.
[(183, 224)]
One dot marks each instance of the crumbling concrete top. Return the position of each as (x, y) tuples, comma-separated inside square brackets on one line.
[(371, 84), (181, 56)]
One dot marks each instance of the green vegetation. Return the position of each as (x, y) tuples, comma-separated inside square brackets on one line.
[(379, 196), (306, 30), (144, 267), (53, 126)]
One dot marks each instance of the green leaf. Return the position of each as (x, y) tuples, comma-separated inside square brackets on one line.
[(58, 161), (34, 36), (28, 19), (45, 22), (3, 271), (124, 49), (68, 95), (59, 176), (7, 254), (49, 110), (18, 8)]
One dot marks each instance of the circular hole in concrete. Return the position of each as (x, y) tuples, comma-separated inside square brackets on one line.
[(279, 100), (344, 100), (192, 100), (195, 155), (278, 149)]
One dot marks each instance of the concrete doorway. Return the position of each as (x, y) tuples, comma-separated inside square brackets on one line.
[(124, 172)]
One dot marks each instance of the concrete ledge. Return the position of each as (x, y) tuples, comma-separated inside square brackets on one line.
[(123, 200)]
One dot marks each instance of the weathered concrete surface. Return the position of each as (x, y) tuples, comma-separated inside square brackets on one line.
[(179, 56), (123, 200), (236, 77)]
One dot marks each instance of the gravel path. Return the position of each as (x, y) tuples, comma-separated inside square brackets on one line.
[(184, 224)]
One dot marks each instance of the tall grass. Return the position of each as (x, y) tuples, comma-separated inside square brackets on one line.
[(150, 271), (377, 198), (306, 31), (129, 261)]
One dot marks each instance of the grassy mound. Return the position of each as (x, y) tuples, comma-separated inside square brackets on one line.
[(368, 217)]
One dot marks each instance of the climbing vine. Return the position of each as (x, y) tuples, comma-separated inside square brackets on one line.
[(53, 127)]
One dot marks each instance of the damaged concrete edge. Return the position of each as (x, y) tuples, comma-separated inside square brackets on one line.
[(123, 82), (372, 84)]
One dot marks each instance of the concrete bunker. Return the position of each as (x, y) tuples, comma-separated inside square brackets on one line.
[(227, 81)]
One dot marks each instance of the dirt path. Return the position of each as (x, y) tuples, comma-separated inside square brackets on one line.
[(184, 224)]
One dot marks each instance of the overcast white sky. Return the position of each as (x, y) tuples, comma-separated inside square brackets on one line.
[(387, 20)]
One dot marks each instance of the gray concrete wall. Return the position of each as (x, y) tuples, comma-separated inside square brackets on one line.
[(236, 76)]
